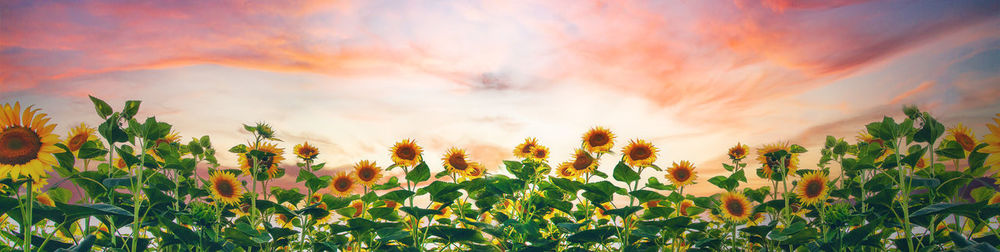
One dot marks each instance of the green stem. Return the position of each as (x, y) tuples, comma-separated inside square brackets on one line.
[(28, 221), (136, 189)]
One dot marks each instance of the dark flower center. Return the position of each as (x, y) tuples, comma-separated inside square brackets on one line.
[(366, 173), (406, 152), (598, 139), (18, 145), (458, 162), (640, 153), (224, 187), (342, 184), (813, 188), (735, 207), (582, 162), (682, 174)]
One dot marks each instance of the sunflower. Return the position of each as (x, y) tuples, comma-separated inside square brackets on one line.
[(993, 143), (812, 188), (120, 164), (963, 136), (523, 150), (284, 220), (757, 218), (735, 206), (565, 170), (582, 163), (995, 199), (769, 165), (27, 143), (367, 173), (455, 161), (342, 185), (739, 151), (170, 138), (682, 174), (598, 140), (79, 135), (315, 198), (225, 188), (268, 164), (539, 154), (651, 203), (639, 153), (406, 153), (359, 208), (306, 152), (863, 136), (391, 204), (475, 171), (45, 199), (600, 212), (682, 208), (445, 211)]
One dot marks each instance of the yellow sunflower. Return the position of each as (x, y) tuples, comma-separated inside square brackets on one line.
[(120, 164), (306, 151), (225, 188), (27, 143), (756, 219), (79, 135), (455, 161), (993, 143), (651, 203), (342, 185), (769, 166), (539, 154), (965, 137), (359, 208), (475, 171), (523, 150), (735, 206), (566, 170), (445, 211), (284, 220), (598, 140), (812, 189), (639, 153), (45, 199), (863, 136), (170, 138), (682, 174), (739, 151), (268, 164), (582, 163), (406, 153), (599, 213), (682, 209), (367, 173), (995, 199)]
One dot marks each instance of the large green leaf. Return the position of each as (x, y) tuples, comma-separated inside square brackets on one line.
[(624, 173), (420, 173)]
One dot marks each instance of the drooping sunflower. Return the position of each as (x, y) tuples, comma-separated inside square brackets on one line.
[(965, 137), (769, 165), (539, 154), (306, 152), (455, 161), (582, 163), (45, 199), (268, 164), (812, 189), (735, 206), (406, 153), (170, 138), (639, 153), (79, 135), (682, 173), (993, 143), (27, 141), (598, 140), (739, 151), (863, 136), (359, 208), (565, 170), (682, 209), (523, 150), (475, 171), (342, 185), (225, 188), (367, 173)]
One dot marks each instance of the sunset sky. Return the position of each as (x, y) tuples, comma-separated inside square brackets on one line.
[(693, 77)]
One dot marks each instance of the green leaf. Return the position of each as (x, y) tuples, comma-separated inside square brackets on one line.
[(797, 149), (724, 182), (963, 209), (419, 212), (647, 196), (599, 234), (444, 192), (931, 130), (456, 234), (131, 108), (420, 173), (398, 195), (623, 212), (951, 149), (624, 173), (103, 109)]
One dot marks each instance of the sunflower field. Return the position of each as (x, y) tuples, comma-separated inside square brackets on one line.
[(131, 184)]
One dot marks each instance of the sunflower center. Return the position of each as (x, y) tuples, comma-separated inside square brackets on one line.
[(458, 161), (735, 207), (342, 184), (599, 139), (19, 145), (540, 154), (527, 148), (566, 172), (406, 153), (682, 174), (684, 209), (77, 141), (813, 188), (224, 188), (738, 152), (582, 162), (967, 143), (640, 153), (366, 173)]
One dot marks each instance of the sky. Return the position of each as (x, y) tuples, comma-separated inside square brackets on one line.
[(354, 77)]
